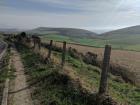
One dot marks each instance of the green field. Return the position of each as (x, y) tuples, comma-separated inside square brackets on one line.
[(123, 43)]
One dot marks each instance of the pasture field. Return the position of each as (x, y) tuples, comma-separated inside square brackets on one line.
[(127, 43)]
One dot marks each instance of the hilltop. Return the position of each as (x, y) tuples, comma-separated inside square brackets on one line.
[(124, 32), (9, 30), (70, 32)]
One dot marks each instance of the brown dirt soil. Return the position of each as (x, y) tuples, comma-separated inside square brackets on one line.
[(19, 93)]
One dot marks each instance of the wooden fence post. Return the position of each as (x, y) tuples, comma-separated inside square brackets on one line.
[(105, 68), (39, 44), (63, 54), (50, 49), (34, 43)]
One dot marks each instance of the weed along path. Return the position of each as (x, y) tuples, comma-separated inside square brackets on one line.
[(19, 93)]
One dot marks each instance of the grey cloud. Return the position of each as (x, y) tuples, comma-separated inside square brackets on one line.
[(97, 14)]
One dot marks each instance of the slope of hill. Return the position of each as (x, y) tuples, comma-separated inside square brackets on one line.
[(9, 30), (124, 32), (70, 32), (126, 37)]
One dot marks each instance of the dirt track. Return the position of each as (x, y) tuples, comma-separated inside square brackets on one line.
[(19, 92)]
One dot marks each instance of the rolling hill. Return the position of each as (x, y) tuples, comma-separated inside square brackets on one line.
[(124, 32), (126, 38), (70, 32), (9, 30)]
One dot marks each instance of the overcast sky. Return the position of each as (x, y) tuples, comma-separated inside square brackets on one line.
[(97, 15)]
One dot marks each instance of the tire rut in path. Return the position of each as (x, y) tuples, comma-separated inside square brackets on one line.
[(19, 93)]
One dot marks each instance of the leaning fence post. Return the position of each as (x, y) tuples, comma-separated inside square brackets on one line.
[(105, 68), (63, 54), (39, 44), (103, 82), (33, 43), (50, 49)]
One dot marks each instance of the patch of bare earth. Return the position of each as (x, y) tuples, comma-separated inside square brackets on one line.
[(19, 93)]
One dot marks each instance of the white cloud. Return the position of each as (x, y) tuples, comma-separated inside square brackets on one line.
[(96, 15), (91, 5), (40, 19)]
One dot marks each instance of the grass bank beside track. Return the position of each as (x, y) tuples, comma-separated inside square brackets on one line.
[(51, 87), (122, 92), (5, 72), (125, 63)]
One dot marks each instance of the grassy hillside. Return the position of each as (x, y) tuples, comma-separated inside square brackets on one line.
[(124, 43), (125, 39), (70, 32), (124, 32)]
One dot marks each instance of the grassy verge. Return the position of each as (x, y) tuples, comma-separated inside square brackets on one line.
[(122, 92), (54, 88), (48, 83), (5, 72)]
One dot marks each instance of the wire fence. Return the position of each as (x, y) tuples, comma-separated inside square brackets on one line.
[(129, 61)]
